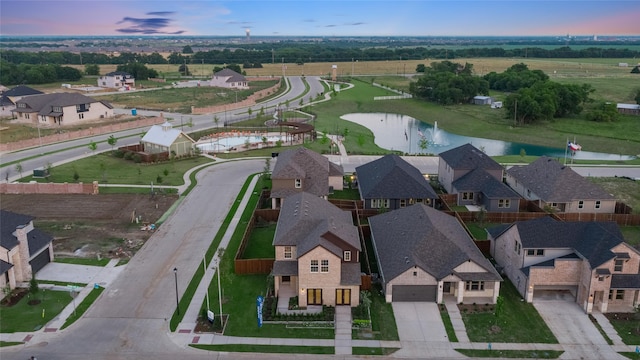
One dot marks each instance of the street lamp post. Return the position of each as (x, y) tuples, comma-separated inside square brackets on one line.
[(175, 274)]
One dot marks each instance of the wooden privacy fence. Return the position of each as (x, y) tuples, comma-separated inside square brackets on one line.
[(254, 266)]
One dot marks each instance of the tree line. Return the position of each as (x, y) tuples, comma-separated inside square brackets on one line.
[(306, 53)]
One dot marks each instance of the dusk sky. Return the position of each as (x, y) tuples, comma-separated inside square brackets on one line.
[(319, 17)]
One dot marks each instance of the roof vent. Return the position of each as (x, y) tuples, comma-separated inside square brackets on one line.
[(406, 259)]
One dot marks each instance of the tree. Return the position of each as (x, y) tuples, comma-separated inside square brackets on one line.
[(216, 120), (92, 146), (184, 70), (423, 144), (33, 286), (636, 69), (112, 140), (19, 169), (138, 71), (92, 69), (267, 164), (603, 112), (420, 68), (249, 112), (187, 49)]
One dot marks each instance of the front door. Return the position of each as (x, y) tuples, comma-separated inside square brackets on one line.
[(314, 297), (343, 297), (446, 287)]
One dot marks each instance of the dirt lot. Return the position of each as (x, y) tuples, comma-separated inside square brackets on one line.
[(88, 225)]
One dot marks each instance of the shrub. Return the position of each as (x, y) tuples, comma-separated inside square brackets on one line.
[(128, 155), (118, 153), (136, 158), (159, 179)]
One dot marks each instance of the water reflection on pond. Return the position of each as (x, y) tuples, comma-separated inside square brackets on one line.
[(406, 134)]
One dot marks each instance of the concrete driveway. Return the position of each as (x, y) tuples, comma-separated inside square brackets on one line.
[(421, 331), (573, 329)]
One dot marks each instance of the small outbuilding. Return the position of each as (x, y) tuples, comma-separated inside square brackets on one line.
[(482, 100), (164, 138), (628, 109)]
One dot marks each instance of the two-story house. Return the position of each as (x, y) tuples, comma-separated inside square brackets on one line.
[(61, 109), (300, 169), (558, 187), (11, 96), (117, 80), (24, 249), (317, 253), (476, 179), (392, 183), (227, 78), (424, 255), (590, 260)]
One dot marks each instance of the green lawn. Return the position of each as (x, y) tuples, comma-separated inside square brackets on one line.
[(383, 321), (346, 194), (260, 243), (533, 354), (518, 323), (83, 306), (83, 261), (626, 190), (448, 326), (278, 349), (23, 317), (627, 329), (105, 168), (10, 343)]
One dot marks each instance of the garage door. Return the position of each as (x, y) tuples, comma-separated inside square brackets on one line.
[(555, 292), (414, 292), (40, 261)]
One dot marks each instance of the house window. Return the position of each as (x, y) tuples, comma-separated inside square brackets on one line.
[(618, 265), (403, 203), (619, 294), (287, 252), (517, 247), (504, 203), (610, 294), (82, 107), (580, 204), (412, 201), (535, 252), (298, 183), (324, 266), (57, 108), (467, 196), (597, 204), (314, 266), (347, 255), (80, 116), (475, 285), (415, 273), (379, 203)]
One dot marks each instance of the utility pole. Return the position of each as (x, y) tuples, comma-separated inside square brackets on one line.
[(515, 114)]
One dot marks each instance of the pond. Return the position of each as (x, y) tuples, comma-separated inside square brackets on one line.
[(409, 135)]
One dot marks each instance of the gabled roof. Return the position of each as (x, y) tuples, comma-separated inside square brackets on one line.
[(591, 240), (163, 135), (18, 91), (232, 75), (302, 163), (480, 180), (9, 221), (43, 104), (391, 177), (421, 236), (116, 73), (469, 157), (4, 266), (554, 182), (307, 221)]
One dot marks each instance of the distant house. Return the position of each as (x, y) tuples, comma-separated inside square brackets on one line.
[(424, 255), (164, 138), (303, 170), (482, 100), (558, 187), (230, 79), (11, 96), (590, 260), (61, 109), (317, 251), (476, 179), (391, 183), (628, 109), (25, 249), (117, 80)]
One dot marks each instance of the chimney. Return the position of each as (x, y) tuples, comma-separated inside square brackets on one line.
[(23, 268)]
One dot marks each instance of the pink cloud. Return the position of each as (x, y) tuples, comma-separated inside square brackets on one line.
[(616, 24)]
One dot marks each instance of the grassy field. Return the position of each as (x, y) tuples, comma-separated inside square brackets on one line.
[(23, 317)]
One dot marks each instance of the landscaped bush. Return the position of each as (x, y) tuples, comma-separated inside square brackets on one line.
[(136, 158), (128, 155), (118, 153)]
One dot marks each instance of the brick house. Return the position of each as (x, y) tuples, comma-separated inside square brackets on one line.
[(317, 253), (590, 260), (117, 80), (424, 255), (25, 249), (301, 169), (558, 187), (61, 109), (476, 179), (392, 183)]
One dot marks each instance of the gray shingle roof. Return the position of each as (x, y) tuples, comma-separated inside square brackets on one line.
[(625, 281), (9, 221), (554, 182), (424, 237), (285, 268), (592, 240), (350, 274), (468, 156), (44, 103), (115, 73), (549, 263), (233, 76), (18, 91), (302, 163), (479, 180), (391, 177), (307, 221), (4, 267)]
